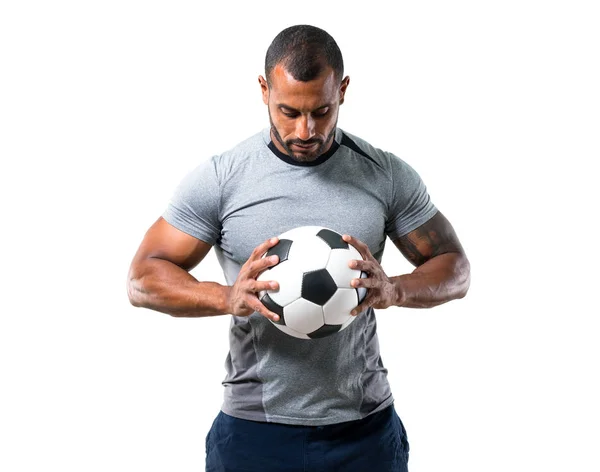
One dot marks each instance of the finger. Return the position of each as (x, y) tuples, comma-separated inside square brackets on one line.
[(257, 286), (361, 247), (257, 306), (256, 267), (262, 248), (364, 266), (366, 303), (368, 282)]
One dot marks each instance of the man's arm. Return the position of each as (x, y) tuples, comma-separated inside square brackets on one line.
[(443, 270), (159, 277), (442, 273)]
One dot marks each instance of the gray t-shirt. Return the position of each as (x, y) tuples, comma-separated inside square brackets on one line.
[(237, 200)]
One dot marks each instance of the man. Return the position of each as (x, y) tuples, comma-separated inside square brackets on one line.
[(291, 404)]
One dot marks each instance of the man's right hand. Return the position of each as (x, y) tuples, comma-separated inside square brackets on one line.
[(242, 298)]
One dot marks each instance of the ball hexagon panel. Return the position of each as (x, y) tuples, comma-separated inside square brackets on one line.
[(337, 266), (303, 316), (337, 310), (318, 286), (289, 277), (307, 250)]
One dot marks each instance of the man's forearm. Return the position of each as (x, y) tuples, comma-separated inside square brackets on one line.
[(441, 279), (163, 286)]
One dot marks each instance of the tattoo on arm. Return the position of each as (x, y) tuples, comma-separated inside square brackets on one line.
[(431, 239)]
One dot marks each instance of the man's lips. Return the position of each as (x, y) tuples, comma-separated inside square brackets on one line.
[(305, 146)]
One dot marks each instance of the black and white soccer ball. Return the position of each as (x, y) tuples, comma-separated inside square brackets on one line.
[(315, 297)]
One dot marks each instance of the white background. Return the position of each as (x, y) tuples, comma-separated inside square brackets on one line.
[(105, 106)]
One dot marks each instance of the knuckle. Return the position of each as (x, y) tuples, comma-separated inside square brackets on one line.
[(257, 266), (267, 261), (259, 250)]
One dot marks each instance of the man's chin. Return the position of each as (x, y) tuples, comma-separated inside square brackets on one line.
[(304, 157), (308, 155)]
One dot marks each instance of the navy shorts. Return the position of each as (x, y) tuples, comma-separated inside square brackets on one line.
[(377, 443)]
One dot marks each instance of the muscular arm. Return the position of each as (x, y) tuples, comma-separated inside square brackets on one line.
[(158, 278), (443, 271)]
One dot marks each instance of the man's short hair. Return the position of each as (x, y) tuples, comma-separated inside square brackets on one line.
[(304, 51)]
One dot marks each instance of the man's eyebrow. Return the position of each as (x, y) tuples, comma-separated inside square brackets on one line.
[(289, 108)]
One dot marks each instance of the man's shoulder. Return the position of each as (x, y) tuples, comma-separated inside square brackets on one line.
[(364, 148), (242, 153)]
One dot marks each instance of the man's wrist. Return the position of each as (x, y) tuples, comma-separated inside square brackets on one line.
[(399, 290), (225, 302)]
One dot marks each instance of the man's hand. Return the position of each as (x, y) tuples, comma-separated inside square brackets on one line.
[(242, 298), (381, 290)]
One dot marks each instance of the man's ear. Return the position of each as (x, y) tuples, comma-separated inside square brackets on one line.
[(264, 87), (343, 87)]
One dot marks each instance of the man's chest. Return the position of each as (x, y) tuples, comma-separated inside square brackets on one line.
[(249, 221)]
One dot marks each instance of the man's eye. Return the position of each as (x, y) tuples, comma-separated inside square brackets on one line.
[(322, 112), (290, 114)]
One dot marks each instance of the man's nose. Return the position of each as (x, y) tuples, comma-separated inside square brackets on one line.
[(305, 127)]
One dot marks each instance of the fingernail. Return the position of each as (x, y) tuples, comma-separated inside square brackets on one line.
[(276, 318), (353, 312), (273, 240), (273, 284), (273, 258)]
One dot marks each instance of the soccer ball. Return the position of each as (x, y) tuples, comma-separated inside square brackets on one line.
[(315, 297)]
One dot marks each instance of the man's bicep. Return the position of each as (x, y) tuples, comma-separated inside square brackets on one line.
[(165, 241), (431, 239)]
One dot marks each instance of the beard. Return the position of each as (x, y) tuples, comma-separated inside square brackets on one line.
[(303, 157)]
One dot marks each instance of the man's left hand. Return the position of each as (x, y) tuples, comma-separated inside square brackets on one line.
[(382, 292)]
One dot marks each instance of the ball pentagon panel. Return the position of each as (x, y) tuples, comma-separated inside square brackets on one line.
[(332, 239), (292, 332), (324, 331), (267, 301), (281, 249), (318, 286)]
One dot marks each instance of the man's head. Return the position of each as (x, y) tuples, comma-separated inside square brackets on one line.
[(303, 90)]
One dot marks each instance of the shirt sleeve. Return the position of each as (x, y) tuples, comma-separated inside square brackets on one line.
[(410, 204), (194, 206)]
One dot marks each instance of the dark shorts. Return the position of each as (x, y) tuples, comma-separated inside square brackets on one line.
[(377, 443)]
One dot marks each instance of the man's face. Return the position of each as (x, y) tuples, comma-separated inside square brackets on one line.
[(303, 115)]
